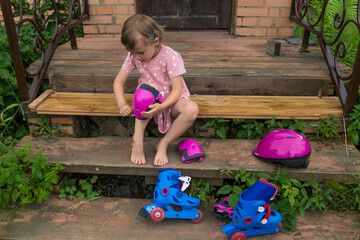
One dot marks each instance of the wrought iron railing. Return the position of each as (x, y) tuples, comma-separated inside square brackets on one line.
[(335, 47), (66, 19)]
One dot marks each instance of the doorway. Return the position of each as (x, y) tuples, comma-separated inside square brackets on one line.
[(189, 14)]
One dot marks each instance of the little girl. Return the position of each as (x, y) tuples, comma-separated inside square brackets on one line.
[(161, 67)]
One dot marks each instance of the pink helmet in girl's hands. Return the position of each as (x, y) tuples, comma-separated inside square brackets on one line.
[(145, 96), (284, 147)]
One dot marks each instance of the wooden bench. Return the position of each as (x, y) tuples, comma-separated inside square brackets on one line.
[(210, 106)]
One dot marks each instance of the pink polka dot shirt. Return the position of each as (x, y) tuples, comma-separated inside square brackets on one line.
[(159, 70)]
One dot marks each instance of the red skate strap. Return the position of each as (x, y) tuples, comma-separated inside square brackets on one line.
[(268, 208)]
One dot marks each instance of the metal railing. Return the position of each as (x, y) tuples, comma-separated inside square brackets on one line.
[(15, 19), (302, 13)]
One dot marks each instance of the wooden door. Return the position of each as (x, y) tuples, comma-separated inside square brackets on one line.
[(189, 14)]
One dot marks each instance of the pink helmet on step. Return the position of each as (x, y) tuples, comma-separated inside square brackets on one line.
[(145, 96), (284, 147)]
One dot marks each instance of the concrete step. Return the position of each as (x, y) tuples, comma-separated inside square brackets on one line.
[(111, 155), (116, 218)]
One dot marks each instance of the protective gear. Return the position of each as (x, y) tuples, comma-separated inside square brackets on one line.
[(190, 151), (222, 208), (145, 96), (284, 147)]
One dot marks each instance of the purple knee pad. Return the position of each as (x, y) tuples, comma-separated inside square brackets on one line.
[(190, 151), (222, 208), (145, 96)]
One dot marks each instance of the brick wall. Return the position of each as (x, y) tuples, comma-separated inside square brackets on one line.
[(1, 17), (107, 16), (264, 18), (261, 18)]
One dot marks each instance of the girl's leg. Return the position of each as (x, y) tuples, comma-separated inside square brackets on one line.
[(137, 152), (185, 112)]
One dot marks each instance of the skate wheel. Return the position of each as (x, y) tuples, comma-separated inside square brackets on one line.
[(198, 220), (238, 236), (157, 215), (280, 227)]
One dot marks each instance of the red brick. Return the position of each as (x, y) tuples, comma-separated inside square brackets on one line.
[(266, 22), (285, 32), (252, 12), (272, 32), (90, 29), (93, 2), (104, 10), (113, 29), (118, 2), (278, 3), (274, 12), (99, 20), (92, 11), (285, 12), (283, 22), (249, 22), (121, 9), (101, 28), (132, 9), (121, 19), (252, 3), (251, 32), (99, 36), (63, 120)]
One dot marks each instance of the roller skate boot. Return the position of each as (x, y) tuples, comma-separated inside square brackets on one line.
[(252, 215), (168, 193)]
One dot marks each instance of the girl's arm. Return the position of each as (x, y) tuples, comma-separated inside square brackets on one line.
[(119, 82), (176, 90)]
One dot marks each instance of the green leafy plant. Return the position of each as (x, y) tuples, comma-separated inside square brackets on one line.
[(221, 126), (26, 176), (328, 127), (45, 128), (354, 127), (79, 189), (13, 125), (202, 190)]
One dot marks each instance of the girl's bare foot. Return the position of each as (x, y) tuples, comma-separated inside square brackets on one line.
[(137, 152), (161, 158)]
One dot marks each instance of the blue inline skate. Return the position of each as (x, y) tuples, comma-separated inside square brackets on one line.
[(253, 215), (168, 192)]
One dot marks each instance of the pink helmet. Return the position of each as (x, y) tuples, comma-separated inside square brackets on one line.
[(284, 147), (145, 96)]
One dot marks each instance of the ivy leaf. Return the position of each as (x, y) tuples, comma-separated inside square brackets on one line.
[(221, 132), (224, 190), (233, 200)]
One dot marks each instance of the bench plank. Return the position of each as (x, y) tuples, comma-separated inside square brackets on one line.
[(210, 106), (111, 155)]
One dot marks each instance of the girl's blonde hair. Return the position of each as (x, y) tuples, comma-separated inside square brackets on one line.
[(143, 25)]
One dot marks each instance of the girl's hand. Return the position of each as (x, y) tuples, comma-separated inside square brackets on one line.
[(155, 108), (125, 110)]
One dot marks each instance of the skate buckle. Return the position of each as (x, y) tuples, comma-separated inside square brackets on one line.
[(261, 209), (185, 182)]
